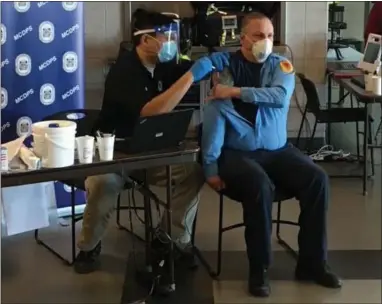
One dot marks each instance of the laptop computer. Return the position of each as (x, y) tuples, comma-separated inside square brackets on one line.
[(155, 133)]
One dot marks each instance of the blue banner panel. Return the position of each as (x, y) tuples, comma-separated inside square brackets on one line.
[(42, 67)]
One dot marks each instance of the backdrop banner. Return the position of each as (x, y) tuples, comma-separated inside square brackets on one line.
[(42, 69)]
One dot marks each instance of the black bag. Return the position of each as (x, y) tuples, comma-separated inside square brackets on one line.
[(268, 8), (208, 28)]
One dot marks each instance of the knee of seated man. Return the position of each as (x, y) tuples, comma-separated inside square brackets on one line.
[(107, 183), (318, 176), (258, 183)]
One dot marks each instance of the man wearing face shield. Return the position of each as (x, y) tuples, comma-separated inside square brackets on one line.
[(246, 155), (143, 82)]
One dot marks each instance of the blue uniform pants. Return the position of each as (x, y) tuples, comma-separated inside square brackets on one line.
[(253, 177)]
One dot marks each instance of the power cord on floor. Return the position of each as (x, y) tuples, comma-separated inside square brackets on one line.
[(161, 235), (157, 277), (159, 232), (327, 151)]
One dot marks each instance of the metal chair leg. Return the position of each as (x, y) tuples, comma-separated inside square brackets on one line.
[(220, 237), (370, 139), (309, 143), (280, 240), (214, 273), (193, 235), (356, 128), (300, 129), (118, 215), (379, 130), (73, 235)]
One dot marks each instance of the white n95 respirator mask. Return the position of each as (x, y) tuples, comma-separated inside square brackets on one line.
[(262, 49)]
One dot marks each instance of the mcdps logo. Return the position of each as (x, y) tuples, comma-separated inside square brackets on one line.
[(24, 126), (47, 94), (69, 5), (22, 6), (3, 34), (69, 188), (4, 98), (23, 64), (46, 32), (70, 62)]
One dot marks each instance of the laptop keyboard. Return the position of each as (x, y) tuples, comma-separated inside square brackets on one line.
[(346, 66)]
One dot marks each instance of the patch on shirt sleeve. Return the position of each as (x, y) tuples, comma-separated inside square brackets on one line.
[(286, 67)]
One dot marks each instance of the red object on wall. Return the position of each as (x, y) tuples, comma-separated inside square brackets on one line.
[(374, 21)]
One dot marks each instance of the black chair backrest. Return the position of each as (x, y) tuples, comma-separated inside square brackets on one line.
[(84, 118), (312, 99)]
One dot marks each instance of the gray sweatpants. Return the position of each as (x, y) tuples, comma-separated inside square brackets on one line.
[(102, 193)]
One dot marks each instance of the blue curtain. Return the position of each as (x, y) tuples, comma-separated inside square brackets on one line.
[(42, 67)]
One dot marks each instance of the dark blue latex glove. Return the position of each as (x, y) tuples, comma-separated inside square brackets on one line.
[(201, 68), (220, 60)]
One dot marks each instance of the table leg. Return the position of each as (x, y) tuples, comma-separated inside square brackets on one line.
[(365, 148), (147, 207), (329, 106), (73, 221), (170, 261)]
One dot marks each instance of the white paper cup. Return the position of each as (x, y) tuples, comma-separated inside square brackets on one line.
[(369, 82), (85, 149), (106, 147), (377, 85)]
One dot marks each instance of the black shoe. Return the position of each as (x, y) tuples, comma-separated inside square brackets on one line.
[(88, 261), (258, 283), (161, 248), (187, 256), (319, 274)]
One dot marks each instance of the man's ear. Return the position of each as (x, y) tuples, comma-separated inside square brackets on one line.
[(242, 38), (143, 39)]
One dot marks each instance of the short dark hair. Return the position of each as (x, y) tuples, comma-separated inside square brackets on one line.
[(252, 16), (144, 20)]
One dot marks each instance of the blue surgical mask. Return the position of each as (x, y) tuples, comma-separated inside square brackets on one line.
[(168, 51)]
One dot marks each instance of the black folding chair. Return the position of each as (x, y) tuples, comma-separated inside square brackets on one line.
[(279, 198), (214, 273), (85, 120), (333, 115)]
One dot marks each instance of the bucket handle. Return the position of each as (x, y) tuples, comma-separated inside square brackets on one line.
[(56, 143)]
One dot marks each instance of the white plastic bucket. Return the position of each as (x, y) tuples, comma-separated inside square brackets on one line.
[(55, 145)]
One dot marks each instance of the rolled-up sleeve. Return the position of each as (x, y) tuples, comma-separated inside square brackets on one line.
[(279, 91)]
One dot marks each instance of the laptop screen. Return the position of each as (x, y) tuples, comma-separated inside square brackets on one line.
[(371, 52)]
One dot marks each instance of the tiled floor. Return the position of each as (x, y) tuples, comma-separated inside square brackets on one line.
[(32, 275)]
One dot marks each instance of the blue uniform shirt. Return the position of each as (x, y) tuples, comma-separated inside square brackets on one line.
[(224, 127)]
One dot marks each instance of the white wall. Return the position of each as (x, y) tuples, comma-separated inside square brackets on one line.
[(354, 16), (103, 32), (306, 25)]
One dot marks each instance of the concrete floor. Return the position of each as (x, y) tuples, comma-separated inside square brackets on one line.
[(30, 274)]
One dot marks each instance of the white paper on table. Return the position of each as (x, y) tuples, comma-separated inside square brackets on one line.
[(14, 147), (28, 207)]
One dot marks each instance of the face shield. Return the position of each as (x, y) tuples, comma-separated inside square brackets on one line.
[(168, 38)]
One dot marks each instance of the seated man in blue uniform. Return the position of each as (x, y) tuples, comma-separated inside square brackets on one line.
[(246, 155), (143, 82)]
